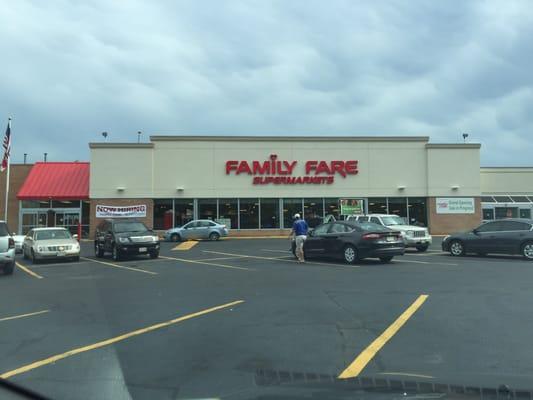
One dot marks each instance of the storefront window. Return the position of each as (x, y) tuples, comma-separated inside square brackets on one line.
[(85, 218), (398, 206), (488, 213), (269, 213), (35, 204), (525, 213), (417, 211), (313, 211), (332, 208), (377, 205), (249, 213), (228, 213), (163, 214), (207, 209), (506, 212), (65, 204), (183, 211), (291, 207)]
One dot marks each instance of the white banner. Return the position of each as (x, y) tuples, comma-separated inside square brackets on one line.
[(455, 205), (138, 211)]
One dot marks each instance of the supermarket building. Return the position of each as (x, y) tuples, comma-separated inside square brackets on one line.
[(256, 184)]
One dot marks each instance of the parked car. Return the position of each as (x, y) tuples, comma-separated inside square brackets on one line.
[(19, 241), (49, 243), (7, 250), (353, 241), (122, 236), (413, 236), (506, 236), (197, 229)]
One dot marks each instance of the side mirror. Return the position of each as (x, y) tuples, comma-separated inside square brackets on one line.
[(75, 236), (475, 231), (311, 233)]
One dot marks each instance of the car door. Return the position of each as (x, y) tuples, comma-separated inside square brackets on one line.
[(202, 230), (334, 239), (315, 243), (189, 230), (107, 233), (510, 235), (28, 242), (483, 238)]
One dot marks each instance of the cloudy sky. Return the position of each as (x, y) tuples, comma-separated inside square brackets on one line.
[(71, 70)]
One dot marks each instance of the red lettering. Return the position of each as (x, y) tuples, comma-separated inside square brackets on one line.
[(257, 180), (231, 165), (290, 166), (306, 179), (298, 180), (338, 166), (309, 166), (329, 180), (322, 167), (244, 168), (351, 167), (277, 180), (260, 169), (280, 169)]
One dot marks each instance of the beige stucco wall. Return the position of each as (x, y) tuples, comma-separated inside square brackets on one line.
[(507, 180), (155, 170), (453, 165)]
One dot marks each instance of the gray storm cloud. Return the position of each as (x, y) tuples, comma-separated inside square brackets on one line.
[(71, 70)]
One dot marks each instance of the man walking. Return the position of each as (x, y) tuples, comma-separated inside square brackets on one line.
[(299, 230)]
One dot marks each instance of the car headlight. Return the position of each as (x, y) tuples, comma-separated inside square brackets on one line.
[(409, 233), (155, 238), (123, 240), (40, 248)]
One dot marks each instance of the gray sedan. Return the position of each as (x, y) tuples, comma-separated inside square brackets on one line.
[(46, 243), (198, 229)]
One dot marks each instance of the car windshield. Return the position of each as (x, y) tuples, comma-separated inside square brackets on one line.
[(393, 220), (52, 234), (123, 227), (371, 226), (4, 231)]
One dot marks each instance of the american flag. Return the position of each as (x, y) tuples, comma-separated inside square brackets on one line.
[(7, 147)]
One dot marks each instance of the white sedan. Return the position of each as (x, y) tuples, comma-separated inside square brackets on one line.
[(48, 243)]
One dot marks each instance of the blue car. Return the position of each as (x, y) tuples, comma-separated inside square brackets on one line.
[(197, 229)]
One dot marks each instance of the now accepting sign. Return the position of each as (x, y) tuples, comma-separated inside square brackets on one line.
[(455, 205)]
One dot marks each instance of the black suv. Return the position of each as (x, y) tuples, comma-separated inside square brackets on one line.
[(122, 237)]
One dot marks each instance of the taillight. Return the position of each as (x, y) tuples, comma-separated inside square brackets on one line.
[(11, 242), (371, 236)]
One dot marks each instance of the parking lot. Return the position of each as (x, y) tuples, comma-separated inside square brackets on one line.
[(201, 320)]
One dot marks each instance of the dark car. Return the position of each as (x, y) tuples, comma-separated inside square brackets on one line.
[(508, 236), (352, 241), (122, 237)]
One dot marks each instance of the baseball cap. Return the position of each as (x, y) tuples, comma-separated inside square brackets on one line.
[(296, 215)]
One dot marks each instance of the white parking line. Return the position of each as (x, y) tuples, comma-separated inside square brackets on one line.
[(119, 266), (422, 262)]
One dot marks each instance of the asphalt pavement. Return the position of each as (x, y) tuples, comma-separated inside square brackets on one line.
[(204, 320)]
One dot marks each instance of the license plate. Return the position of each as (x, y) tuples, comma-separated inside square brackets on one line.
[(143, 249), (391, 238), (61, 254)]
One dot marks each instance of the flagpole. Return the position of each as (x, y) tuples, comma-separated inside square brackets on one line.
[(7, 176)]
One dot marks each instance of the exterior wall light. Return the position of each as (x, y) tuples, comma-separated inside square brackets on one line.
[(180, 188), (401, 187), (455, 187), (120, 188)]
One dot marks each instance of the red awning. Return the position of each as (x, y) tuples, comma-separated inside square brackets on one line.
[(56, 180)]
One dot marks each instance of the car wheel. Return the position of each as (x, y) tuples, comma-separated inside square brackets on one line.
[(527, 250), (116, 254), (154, 254), (34, 259), (214, 236), (98, 252), (456, 248), (422, 248), (175, 237), (350, 254), (386, 259), (9, 268)]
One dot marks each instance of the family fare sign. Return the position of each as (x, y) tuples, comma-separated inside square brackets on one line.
[(281, 172), (138, 211)]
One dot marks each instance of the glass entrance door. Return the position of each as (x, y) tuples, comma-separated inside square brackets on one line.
[(68, 219), (34, 219)]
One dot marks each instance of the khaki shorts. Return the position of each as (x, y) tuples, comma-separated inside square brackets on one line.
[(299, 241)]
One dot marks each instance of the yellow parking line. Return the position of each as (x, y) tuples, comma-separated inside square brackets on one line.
[(119, 266), (28, 271), (367, 354), (207, 263), (186, 245), (113, 340), (23, 315), (281, 258)]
